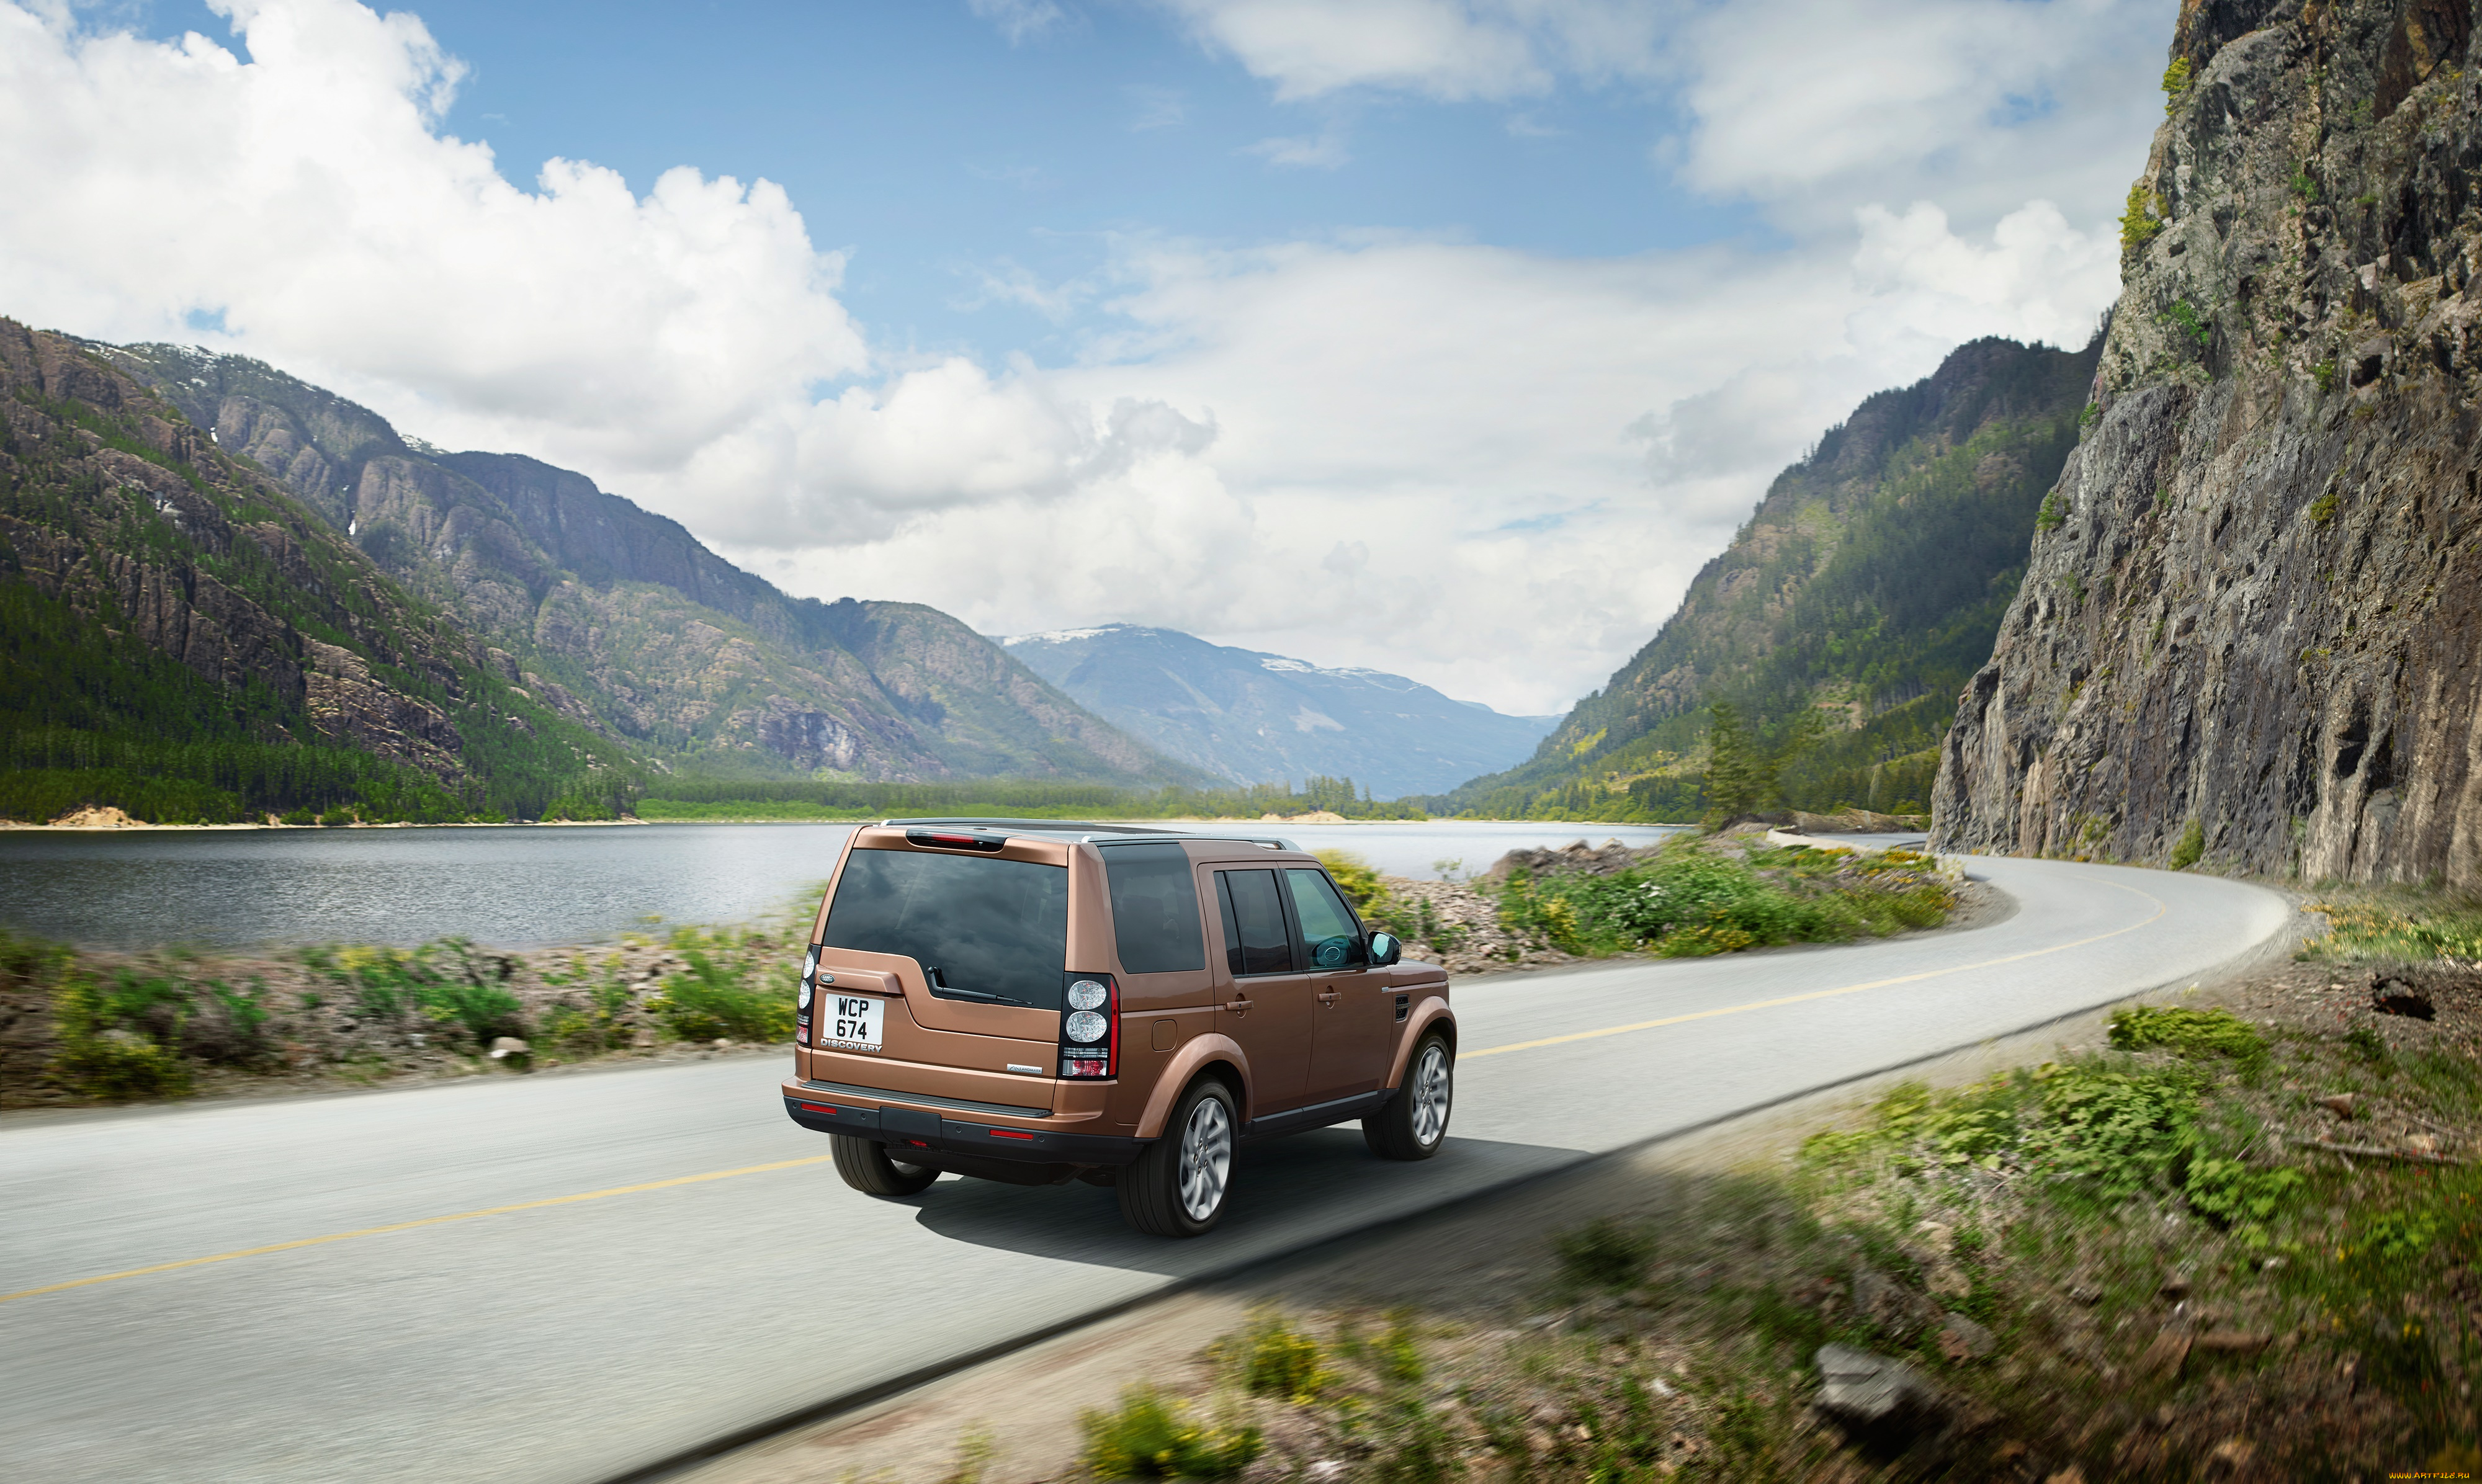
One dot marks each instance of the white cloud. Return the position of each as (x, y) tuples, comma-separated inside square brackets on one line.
[(305, 197), (1491, 470), (1982, 103), (1155, 107), (1453, 50), (1020, 20), (1316, 151)]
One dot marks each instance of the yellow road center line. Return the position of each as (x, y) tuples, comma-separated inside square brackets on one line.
[(786, 1164), (1848, 988), (427, 1221)]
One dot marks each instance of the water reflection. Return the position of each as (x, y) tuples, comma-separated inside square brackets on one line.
[(517, 886)]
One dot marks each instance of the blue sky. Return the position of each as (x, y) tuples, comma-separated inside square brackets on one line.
[(921, 139), (1447, 337)]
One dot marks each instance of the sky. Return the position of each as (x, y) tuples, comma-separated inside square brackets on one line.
[(1447, 337)]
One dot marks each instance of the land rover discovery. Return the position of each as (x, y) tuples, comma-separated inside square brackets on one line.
[(1034, 1002)]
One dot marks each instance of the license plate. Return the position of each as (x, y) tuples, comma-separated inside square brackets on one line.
[(853, 1022)]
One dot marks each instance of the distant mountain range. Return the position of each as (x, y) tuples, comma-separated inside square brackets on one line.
[(1253, 717)]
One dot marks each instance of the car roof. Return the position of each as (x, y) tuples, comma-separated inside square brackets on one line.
[(1092, 832)]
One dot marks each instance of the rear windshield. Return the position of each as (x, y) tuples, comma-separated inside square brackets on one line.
[(1154, 907), (977, 926)]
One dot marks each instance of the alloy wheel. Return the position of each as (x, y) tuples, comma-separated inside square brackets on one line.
[(1206, 1157), (1431, 1093)]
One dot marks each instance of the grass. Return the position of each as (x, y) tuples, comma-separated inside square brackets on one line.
[(1150, 1437), (2398, 924)]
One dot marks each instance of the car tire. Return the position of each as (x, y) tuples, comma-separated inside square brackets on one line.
[(1414, 1122), (866, 1168), (1183, 1181)]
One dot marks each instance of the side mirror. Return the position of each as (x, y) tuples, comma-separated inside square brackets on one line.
[(1385, 949)]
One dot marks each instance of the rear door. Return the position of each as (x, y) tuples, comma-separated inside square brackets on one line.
[(1267, 1007), (1356, 1021)]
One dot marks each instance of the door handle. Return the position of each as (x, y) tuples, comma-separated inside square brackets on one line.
[(1328, 997), (1239, 1005)]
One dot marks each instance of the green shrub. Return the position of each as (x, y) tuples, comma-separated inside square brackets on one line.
[(1604, 1253), (1150, 1438), (2324, 374), (1277, 1359), (2323, 509), (2192, 1033), (711, 1001), (2175, 84), (1354, 877), (99, 1059), (2191, 845), (2053, 513), (2142, 221)]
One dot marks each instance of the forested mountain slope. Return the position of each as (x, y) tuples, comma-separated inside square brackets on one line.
[(182, 638), (2252, 636), (1866, 587), (1256, 718), (622, 621)]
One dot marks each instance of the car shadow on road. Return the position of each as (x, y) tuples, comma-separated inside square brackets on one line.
[(1285, 1193)]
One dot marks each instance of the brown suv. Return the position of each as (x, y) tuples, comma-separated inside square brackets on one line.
[(1035, 1001)]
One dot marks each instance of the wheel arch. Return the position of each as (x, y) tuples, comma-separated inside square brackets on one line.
[(1210, 1055)]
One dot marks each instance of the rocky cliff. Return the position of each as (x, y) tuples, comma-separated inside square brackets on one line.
[(2251, 627), (179, 624), (620, 618), (1865, 585)]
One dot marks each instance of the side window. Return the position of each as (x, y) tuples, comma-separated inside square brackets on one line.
[(1154, 907), (1256, 941), (1327, 928)]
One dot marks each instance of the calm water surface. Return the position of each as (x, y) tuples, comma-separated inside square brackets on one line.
[(519, 886)]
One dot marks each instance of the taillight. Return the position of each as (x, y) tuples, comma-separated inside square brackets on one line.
[(1089, 1026), (801, 1000)]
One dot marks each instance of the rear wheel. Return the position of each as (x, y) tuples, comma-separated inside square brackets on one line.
[(866, 1168), (1177, 1187), (1414, 1122)]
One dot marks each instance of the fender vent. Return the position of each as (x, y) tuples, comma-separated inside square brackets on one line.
[(1404, 1006)]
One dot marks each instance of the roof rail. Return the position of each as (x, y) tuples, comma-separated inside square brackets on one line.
[(1091, 828)]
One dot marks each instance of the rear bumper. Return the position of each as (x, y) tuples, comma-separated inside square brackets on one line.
[(885, 1117)]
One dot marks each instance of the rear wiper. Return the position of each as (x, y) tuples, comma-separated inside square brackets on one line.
[(985, 997)]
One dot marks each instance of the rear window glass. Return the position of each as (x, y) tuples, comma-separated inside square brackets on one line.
[(1255, 939), (1154, 907), (973, 923)]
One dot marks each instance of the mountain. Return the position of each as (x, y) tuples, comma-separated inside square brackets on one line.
[(1865, 587), (620, 620), (183, 638), (2248, 628), (1257, 718)]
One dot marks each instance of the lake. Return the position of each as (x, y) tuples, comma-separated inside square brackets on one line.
[(528, 885)]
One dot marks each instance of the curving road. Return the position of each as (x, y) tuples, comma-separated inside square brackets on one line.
[(568, 1277)]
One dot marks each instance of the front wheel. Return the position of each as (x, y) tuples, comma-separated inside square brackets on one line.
[(866, 1168), (1414, 1122), (1177, 1187)]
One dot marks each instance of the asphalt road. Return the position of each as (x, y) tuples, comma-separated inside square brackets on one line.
[(688, 1295)]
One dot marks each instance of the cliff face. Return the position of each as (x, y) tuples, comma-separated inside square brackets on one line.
[(1868, 582), (618, 618), (2253, 607), (128, 537)]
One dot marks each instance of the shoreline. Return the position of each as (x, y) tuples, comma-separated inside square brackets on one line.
[(124, 825)]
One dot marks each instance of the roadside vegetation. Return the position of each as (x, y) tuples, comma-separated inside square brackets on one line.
[(2238, 1240), (95, 1028), (1688, 897)]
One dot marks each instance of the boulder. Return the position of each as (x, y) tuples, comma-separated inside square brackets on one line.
[(1869, 1391), (506, 1046)]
